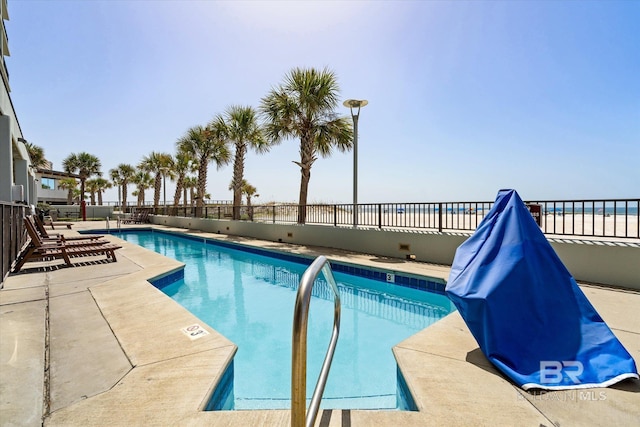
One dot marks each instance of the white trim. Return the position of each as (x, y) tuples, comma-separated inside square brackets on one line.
[(607, 383)]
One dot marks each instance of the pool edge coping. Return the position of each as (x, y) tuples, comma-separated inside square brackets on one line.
[(366, 417)]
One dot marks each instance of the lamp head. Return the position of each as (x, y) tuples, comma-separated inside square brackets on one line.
[(355, 103)]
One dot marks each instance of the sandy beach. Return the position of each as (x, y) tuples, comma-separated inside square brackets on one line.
[(580, 224)]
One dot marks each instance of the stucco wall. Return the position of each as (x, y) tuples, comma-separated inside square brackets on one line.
[(616, 264), (93, 211), (608, 263), (51, 195)]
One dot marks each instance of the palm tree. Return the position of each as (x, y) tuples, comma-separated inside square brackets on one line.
[(183, 164), (76, 194), (143, 180), (190, 183), (241, 128), (159, 164), (92, 187), (121, 176), (101, 185), (97, 186), (249, 191), (205, 145), (304, 107), (87, 165), (68, 184), (117, 181), (36, 154)]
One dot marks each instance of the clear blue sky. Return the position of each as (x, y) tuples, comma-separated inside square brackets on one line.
[(465, 98)]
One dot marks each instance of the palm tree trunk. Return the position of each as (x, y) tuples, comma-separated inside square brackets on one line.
[(304, 188), (306, 160), (83, 205), (249, 208), (202, 187), (176, 195), (157, 185), (124, 197), (238, 172), (82, 179)]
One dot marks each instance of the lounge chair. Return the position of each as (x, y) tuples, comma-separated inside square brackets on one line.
[(35, 249), (39, 240), (53, 224), (42, 232), (140, 216), (144, 217), (130, 218)]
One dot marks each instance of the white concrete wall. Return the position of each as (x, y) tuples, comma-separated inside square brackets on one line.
[(14, 159), (615, 265), (51, 195), (6, 159), (93, 211), (602, 262)]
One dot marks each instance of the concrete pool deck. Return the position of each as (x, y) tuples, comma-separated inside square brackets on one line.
[(96, 344)]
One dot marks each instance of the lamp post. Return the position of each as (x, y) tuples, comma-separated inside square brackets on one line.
[(351, 104)]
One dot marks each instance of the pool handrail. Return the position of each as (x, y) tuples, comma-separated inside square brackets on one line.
[(299, 415)]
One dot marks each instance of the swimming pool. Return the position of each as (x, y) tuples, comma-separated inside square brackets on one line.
[(249, 297)]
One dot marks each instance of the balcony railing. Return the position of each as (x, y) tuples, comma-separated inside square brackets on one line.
[(616, 218)]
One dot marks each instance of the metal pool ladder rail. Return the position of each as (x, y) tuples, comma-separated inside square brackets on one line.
[(299, 349)]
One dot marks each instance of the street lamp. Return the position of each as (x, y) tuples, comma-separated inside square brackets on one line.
[(351, 104)]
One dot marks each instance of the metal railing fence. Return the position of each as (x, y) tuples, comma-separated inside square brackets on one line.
[(613, 218), (598, 218), (133, 204), (587, 218)]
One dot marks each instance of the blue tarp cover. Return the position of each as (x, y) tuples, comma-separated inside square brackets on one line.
[(526, 311)]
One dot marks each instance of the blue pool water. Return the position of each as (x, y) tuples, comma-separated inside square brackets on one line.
[(249, 298)]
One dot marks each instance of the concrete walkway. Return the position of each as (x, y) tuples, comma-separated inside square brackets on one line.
[(96, 344)]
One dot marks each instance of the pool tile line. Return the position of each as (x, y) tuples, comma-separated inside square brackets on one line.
[(222, 396), (400, 279), (167, 279)]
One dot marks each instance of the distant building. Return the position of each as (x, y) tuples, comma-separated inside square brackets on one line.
[(17, 177), (48, 188)]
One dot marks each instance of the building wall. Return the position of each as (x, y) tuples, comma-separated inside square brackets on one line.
[(593, 262), (54, 194), (15, 165), (93, 211)]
